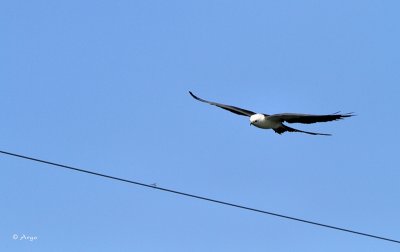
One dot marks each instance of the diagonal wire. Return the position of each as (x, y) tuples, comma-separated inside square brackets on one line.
[(200, 197)]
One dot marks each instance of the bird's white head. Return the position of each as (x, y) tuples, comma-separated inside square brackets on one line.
[(257, 119)]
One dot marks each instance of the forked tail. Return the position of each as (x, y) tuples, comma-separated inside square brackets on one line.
[(285, 128)]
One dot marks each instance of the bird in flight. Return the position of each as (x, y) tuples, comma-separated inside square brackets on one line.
[(276, 121)]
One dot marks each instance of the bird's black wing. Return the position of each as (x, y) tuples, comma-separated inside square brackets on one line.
[(306, 118), (233, 109)]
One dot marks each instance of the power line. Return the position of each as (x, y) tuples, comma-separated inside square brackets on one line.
[(199, 197)]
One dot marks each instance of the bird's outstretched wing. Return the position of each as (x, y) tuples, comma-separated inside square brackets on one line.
[(236, 110), (305, 118)]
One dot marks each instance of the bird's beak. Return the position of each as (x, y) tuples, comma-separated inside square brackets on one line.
[(251, 123)]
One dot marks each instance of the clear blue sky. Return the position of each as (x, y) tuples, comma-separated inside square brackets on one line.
[(103, 85)]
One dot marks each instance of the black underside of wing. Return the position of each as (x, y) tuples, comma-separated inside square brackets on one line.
[(233, 109), (307, 119)]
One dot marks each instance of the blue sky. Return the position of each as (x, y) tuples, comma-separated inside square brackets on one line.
[(103, 85)]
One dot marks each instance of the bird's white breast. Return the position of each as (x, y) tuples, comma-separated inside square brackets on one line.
[(262, 121)]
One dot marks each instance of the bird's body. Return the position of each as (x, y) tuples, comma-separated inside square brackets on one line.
[(275, 121), (263, 121)]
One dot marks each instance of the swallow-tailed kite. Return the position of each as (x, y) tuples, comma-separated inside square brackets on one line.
[(275, 121)]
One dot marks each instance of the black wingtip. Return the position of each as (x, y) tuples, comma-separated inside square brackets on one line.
[(350, 114), (195, 97), (340, 116), (346, 114)]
